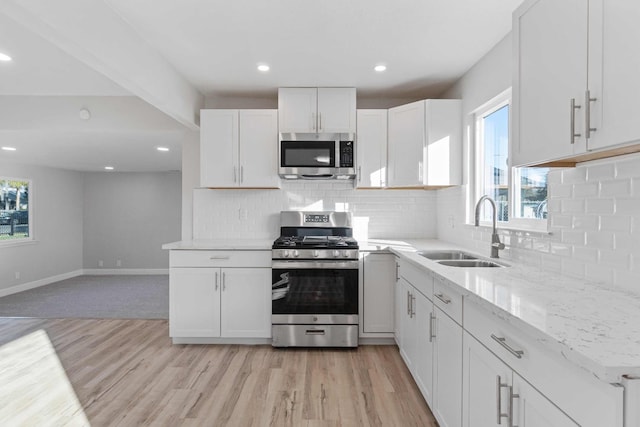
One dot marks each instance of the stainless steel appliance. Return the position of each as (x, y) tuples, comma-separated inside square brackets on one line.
[(315, 281), (317, 156)]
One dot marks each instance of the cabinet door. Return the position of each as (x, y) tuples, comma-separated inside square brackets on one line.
[(483, 398), (297, 108), (422, 356), (447, 371), (407, 323), (194, 308), (613, 72), (532, 409), (443, 124), (336, 109), (219, 148), (371, 148), (400, 309), (258, 136), (379, 275), (550, 38), (406, 144), (246, 303)]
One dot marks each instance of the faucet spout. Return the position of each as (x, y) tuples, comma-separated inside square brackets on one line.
[(496, 245)]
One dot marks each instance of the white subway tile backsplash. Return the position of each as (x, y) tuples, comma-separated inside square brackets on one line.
[(594, 219), (601, 172)]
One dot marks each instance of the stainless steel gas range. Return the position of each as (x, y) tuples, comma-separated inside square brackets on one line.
[(315, 281)]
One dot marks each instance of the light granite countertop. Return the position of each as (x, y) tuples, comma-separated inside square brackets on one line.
[(592, 325)]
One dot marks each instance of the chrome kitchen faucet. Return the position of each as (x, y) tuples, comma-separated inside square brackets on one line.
[(496, 244)]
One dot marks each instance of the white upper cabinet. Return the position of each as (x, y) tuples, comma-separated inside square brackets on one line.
[(371, 148), (574, 82), (238, 148), (613, 72), (425, 144), (322, 110)]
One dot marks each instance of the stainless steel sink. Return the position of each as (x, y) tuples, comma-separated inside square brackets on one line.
[(469, 263), (446, 255)]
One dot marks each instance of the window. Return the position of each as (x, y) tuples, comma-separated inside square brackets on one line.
[(520, 193), (15, 213)]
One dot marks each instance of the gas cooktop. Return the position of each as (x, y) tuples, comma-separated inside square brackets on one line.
[(315, 242)]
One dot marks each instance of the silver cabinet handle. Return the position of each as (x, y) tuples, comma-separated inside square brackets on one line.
[(512, 397), (359, 173), (503, 342), (408, 303), (572, 121), (241, 174), (432, 335), (442, 297), (499, 386), (219, 257), (397, 271), (587, 114), (224, 282), (216, 281)]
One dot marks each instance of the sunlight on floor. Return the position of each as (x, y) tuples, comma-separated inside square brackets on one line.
[(34, 389)]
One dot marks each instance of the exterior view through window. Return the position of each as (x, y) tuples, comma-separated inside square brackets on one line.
[(528, 198), (14, 209)]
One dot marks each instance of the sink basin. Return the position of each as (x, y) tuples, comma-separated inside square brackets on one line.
[(469, 263), (446, 255)]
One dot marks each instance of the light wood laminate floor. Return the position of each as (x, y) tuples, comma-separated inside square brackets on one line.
[(127, 372)]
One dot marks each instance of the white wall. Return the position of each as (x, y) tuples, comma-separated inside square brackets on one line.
[(56, 200), (128, 216), (378, 213), (594, 208)]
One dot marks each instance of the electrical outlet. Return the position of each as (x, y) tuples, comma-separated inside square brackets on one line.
[(100, 263), (17, 275), (118, 263)]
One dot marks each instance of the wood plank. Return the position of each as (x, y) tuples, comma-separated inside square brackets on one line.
[(127, 372)]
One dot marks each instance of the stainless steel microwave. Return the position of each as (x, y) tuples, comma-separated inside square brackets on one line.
[(317, 156)]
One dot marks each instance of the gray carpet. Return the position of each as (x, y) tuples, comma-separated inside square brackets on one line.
[(97, 297)]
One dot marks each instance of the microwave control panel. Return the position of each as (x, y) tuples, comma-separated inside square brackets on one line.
[(346, 154)]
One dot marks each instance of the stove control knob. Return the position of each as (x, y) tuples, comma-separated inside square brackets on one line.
[(296, 254), (285, 253), (336, 254), (316, 254), (345, 254)]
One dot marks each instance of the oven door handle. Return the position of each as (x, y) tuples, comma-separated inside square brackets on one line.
[(307, 265)]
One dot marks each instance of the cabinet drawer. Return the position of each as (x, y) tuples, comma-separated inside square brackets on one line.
[(220, 258), (448, 299), (584, 398), (418, 277)]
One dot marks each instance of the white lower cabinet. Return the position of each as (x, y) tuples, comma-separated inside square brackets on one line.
[(494, 395), (378, 277), (447, 372), (219, 294)]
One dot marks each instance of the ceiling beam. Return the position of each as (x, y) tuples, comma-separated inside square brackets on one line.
[(96, 35)]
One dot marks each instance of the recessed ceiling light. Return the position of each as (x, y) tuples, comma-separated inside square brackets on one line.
[(162, 149), (380, 68), (263, 67), (4, 57), (9, 148), (109, 168)]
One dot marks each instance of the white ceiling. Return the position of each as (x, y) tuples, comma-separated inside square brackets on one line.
[(215, 47)]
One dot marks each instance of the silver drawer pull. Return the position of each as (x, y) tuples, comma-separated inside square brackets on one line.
[(442, 297), (315, 331), (503, 342), (219, 257)]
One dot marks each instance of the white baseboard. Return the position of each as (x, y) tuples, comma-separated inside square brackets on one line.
[(124, 271), (40, 282)]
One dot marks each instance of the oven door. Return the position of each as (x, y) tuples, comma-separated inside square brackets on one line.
[(314, 292)]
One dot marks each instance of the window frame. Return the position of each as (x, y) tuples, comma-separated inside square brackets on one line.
[(30, 238), (513, 223)]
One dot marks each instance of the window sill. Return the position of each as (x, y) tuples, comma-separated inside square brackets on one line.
[(512, 228), (12, 243)]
